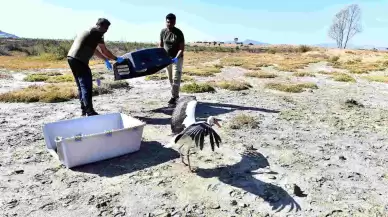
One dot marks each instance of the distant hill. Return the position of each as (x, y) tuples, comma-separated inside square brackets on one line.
[(247, 41), (350, 46), (7, 35)]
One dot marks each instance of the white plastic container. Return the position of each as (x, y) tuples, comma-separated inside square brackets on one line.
[(90, 139)]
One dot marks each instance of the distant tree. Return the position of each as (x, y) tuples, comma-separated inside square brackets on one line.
[(235, 40), (214, 43), (346, 24)]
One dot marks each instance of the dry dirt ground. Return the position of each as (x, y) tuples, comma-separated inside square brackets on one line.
[(334, 150)]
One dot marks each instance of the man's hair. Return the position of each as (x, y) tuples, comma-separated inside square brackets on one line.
[(103, 22), (171, 16)]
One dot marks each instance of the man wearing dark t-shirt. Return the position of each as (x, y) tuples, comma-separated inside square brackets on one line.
[(82, 50), (173, 41)]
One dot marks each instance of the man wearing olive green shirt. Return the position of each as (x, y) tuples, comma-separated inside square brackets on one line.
[(173, 41), (81, 51)]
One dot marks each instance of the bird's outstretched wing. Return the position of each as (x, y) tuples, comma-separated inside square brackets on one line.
[(198, 131), (181, 116)]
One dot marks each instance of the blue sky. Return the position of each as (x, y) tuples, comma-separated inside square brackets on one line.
[(275, 22)]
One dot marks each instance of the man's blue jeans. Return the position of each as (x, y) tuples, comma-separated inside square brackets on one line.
[(83, 78)]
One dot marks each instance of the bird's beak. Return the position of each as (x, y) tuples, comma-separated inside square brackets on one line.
[(217, 123)]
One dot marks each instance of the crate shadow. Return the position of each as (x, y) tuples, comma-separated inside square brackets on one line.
[(151, 153)]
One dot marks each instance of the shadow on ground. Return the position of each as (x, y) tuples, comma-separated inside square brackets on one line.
[(154, 121), (151, 153), (240, 175), (203, 110)]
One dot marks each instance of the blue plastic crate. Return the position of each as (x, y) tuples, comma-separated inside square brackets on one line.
[(141, 63)]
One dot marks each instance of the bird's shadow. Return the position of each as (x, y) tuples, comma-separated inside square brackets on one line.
[(240, 175), (151, 153)]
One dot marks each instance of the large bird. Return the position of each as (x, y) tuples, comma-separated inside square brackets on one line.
[(186, 129)]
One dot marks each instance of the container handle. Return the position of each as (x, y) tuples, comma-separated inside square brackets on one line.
[(78, 137), (108, 132)]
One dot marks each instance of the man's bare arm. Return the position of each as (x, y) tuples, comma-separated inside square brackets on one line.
[(181, 50), (99, 55), (161, 44), (106, 52)]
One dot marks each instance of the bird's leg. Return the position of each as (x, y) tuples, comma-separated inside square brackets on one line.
[(180, 152), (188, 159)]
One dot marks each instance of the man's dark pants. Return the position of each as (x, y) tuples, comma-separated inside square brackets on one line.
[(83, 78)]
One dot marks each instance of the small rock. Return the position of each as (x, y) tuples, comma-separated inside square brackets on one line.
[(13, 203), (159, 212), (265, 144), (214, 205), (342, 157), (18, 171), (199, 211), (272, 177), (233, 203), (238, 211), (243, 205)]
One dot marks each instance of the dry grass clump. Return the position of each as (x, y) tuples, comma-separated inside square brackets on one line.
[(289, 49), (303, 74), (325, 72), (202, 71), (98, 75), (36, 77), (291, 88), (283, 62), (56, 77), (343, 77), (32, 63), (45, 93), (60, 78), (49, 77), (293, 64), (233, 85), (357, 66), (247, 61), (260, 74), (377, 78), (110, 85), (219, 66), (196, 58), (243, 120), (156, 77), (334, 59), (52, 93), (163, 76), (197, 88)]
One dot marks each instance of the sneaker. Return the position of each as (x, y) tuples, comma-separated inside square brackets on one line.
[(92, 113)]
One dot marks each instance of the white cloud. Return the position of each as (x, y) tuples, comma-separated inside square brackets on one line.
[(37, 19)]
